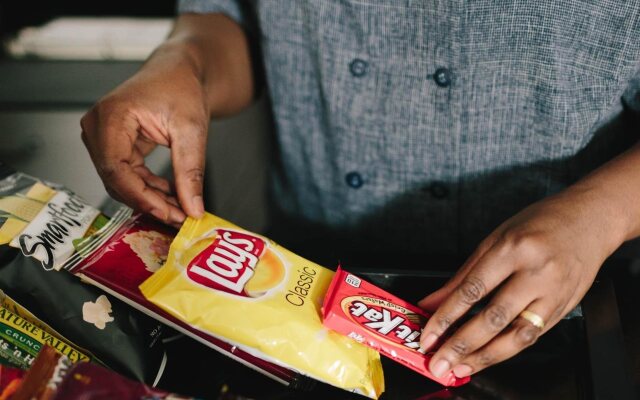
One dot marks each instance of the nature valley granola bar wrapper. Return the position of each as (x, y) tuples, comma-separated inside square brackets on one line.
[(22, 336), (247, 290)]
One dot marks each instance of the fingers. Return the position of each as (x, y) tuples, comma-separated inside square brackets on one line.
[(130, 186), (487, 274), (481, 329), (520, 335), (188, 155), (154, 180), (433, 300), (145, 145), (110, 137)]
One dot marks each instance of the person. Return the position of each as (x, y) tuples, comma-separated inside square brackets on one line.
[(409, 128)]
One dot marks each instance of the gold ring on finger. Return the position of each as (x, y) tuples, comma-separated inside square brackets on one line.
[(535, 319)]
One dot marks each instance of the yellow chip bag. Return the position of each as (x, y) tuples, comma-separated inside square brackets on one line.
[(247, 290)]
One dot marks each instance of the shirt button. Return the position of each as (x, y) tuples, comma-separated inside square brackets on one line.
[(438, 190), (358, 67), (354, 180), (443, 77)]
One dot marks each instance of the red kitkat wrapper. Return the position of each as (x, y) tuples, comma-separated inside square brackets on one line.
[(380, 320)]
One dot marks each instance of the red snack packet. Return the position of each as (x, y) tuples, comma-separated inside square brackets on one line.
[(48, 366), (132, 249), (380, 320), (89, 381), (10, 379), (52, 376)]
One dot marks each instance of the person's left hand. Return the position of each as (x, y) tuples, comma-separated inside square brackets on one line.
[(542, 260)]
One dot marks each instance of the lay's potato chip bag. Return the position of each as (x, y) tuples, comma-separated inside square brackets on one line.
[(247, 290)]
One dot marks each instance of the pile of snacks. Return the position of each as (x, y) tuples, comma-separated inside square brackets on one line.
[(47, 222), (98, 291)]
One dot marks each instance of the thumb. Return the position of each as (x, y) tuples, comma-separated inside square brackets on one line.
[(188, 157)]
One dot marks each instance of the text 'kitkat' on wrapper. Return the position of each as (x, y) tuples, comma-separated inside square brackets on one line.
[(382, 321)]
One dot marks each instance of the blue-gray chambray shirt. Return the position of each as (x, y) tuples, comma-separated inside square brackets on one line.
[(415, 126)]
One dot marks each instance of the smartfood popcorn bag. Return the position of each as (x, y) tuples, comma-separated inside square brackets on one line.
[(249, 291)]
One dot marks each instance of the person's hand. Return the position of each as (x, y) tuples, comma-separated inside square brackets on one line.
[(203, 69), (158, 106), (542, 260)]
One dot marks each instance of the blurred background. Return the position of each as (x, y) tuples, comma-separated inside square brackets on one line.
[(58, 58), (15, 14)]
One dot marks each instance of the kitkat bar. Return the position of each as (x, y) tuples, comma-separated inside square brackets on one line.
[(380, 320)]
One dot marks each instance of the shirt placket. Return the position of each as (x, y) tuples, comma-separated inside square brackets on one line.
[(448, 80)]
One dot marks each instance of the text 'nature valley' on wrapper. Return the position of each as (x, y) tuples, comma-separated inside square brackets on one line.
[(245, 289), (23, 335)]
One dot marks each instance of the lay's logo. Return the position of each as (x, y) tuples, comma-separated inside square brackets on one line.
[(237, 263), (228, 263)]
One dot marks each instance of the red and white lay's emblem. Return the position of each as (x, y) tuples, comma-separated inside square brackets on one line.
[(228, 263)]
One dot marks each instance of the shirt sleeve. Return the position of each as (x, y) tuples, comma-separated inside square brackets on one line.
[(231, 8)]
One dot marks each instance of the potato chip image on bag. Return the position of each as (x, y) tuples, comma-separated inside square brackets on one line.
[(150, 246), (245, 289)]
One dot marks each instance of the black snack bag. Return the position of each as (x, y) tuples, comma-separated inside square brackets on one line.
[(119, 336)]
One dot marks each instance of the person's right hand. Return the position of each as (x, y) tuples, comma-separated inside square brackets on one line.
[(165, 106)]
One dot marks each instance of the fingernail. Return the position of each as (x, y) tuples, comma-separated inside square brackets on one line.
[(427, 342), (440, 367), (462, 370), (177, 217), (158, 214), (198, 205)]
